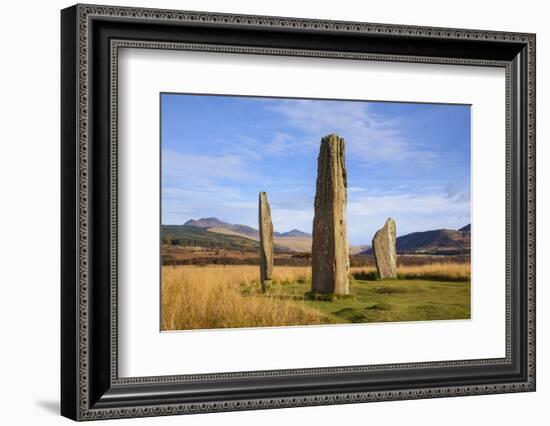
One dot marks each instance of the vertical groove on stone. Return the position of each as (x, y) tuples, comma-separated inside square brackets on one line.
[(266, 241), (383, 247), (329, 253)]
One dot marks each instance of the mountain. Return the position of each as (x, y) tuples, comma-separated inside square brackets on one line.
[(294, 240), (215, 223), (292, 233), (438, 241), (196, 236), (213, 232), (207, 222)]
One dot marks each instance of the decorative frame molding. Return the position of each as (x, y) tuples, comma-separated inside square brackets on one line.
[(91, 37)]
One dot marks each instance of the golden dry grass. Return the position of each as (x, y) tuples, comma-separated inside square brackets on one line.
[(436, 271), (440, 271), (216, 297), (450, 271), (195, 297)]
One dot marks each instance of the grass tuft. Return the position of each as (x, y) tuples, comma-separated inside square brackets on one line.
[(227, 297)]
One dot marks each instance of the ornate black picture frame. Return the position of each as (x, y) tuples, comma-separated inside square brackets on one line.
[(91, 37)]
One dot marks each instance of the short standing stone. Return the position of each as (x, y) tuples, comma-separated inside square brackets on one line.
[(329, 253), (266, 241), (383, 246)]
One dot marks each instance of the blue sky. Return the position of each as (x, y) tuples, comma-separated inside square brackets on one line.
[(404, 160)]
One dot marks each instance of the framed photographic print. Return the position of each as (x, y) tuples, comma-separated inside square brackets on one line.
[(263, 212)]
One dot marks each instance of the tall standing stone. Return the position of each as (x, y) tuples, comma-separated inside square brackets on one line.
[(383, 246), (266, 241), (329, 253)]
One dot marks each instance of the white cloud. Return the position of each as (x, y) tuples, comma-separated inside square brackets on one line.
[(409, 203), (369, 137), (285, 219), (196, 168), (281, 142), (412, 213), (180, 204), (241, 204), (367, 213), (242, 146)]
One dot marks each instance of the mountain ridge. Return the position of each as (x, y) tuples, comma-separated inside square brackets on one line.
[(214, 222), (292, 233), (436, 241)]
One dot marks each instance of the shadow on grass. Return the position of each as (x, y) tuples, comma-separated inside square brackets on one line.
[(379, 307), (395, 290), (330, 297), (281, 296), (431, 277), (373, 276), (361, 315), (365, 275)]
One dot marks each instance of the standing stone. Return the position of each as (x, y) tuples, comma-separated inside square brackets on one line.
[(329, 252), (383, 246), (266, 241)]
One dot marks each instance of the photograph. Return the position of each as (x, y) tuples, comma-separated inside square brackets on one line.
[(280, 212), (265, 209)]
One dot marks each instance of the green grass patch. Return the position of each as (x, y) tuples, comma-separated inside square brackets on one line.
[(380, 307), (351, 315), (395, 290), (384, 301)]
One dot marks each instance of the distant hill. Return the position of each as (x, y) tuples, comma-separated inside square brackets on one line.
[(193, 236), (215, 225), (438, 241), (207, 222), (214, 233), (294, 244), (213, 222), (292, 233), (358, 249), (293, 240)]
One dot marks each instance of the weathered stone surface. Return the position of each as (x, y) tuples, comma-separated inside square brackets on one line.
[(329, 253), (266, 241), (383, 246)]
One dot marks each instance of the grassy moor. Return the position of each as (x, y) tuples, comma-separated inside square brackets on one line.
[(205, 297)]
